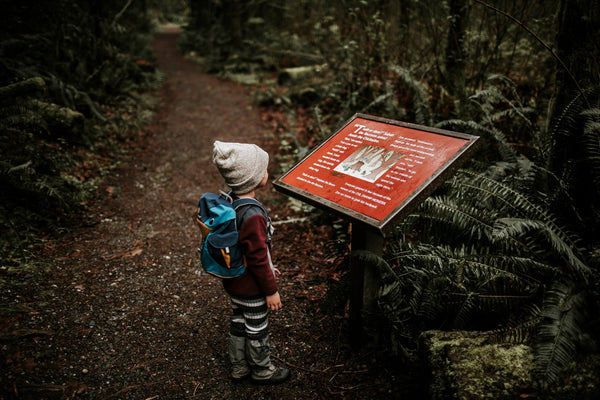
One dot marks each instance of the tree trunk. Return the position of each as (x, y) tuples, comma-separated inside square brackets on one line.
[(455, 54), (233, 17), (202, 14), (578, 46), (573, 147)]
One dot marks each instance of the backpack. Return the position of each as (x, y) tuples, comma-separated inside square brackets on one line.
[(220, 253)]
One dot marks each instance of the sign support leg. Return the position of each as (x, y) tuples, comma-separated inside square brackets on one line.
[(362, 280)]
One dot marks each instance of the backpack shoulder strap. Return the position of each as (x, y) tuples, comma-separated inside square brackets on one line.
[(245, 201), (244, 206), (248, 207)]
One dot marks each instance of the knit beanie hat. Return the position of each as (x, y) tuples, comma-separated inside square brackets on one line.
[(242, 165)]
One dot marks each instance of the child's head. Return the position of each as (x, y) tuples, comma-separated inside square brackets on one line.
[(242, 165)]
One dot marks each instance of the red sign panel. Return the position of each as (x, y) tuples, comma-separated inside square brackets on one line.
[(371, 167)]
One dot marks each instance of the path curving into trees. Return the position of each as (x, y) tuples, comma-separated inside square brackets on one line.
[(129, 315)]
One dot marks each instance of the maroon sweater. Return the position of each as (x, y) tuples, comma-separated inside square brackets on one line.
[(259, 278)]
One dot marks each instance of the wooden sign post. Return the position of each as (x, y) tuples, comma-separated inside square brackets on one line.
[(374, 171)]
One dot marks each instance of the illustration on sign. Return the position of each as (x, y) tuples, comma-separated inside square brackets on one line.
[(369, 162), (371, 167)]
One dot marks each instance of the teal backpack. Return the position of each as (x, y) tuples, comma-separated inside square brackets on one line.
[(220, 253)]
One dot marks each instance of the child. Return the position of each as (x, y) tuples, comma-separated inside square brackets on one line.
[(253, 294)]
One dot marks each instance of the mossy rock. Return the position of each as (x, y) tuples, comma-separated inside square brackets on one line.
[(469, 365), (472, 365)]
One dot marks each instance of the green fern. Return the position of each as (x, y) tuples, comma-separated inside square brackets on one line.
[(491, 99), (419, 93), (521, 329), (559, 331), (502, 241), (559, 242), (455, 218), (492, 135), (591, 144)]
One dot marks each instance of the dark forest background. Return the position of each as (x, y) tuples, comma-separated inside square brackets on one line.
[(510, 244)]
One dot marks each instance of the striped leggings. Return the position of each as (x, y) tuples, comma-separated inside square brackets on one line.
[(250, 317)]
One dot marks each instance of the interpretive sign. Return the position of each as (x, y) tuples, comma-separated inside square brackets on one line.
[(373, 170)]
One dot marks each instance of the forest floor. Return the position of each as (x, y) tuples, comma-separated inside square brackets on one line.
[(125, 311)]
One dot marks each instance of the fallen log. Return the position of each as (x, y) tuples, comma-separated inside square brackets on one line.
[(54, 114), (28, 87), (289, 76)]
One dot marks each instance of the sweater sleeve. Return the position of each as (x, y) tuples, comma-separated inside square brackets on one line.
[(253, 240)]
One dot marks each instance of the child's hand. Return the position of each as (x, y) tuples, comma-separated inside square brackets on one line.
[(274, 302), (277, 271)]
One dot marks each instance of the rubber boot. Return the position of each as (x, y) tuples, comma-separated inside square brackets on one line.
[(237, 356), (259, 358)]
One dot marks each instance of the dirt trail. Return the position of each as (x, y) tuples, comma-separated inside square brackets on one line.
[(128, 314)]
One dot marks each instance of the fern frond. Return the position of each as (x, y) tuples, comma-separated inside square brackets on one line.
[(494, 96), (555, 190), (506, 82), (489, 96), (419, 92), (516, 227), (458, 281), (523, 330), (507, 197), (567, 131), (591, 144), (520, 203), (488, 99), (485, 274), (373, 260), (386, 101), (506, 152), (513, 268), (23, 117), (513, 112), (461, 217), (559, 331), (465, 310), (379, 100), (391, 301), (567, 119)]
